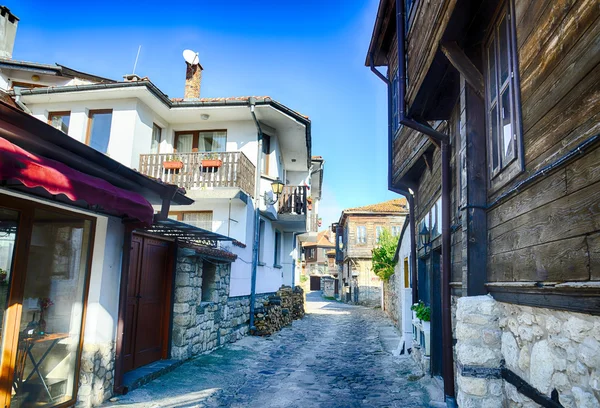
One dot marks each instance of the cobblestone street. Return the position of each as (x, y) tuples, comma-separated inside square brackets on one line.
[(334, 357)]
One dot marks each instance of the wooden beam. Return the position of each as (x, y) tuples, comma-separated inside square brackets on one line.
[(464, 66)]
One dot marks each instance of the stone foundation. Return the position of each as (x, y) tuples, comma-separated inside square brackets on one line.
[(96, 376), (549, 349)]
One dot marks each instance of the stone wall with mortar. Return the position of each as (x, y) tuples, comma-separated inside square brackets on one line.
[(549, 349), (390, 300), (96, 376), (203, 325), (327, 286)]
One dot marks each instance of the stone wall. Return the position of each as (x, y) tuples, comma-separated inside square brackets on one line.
[(278, 311), (390, 300), (327, 286), (549, 349), (201, 325), (96, 376)]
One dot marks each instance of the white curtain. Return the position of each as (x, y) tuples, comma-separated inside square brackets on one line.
[(184, 143)]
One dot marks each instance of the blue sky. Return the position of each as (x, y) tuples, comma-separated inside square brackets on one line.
[(308, 55)]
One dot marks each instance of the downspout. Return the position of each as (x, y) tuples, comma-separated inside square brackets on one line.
[(441, 140), (259, 136), (19, 102), (406, 193)]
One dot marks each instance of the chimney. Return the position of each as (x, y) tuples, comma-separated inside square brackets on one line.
[(8, 32), (193, 77)]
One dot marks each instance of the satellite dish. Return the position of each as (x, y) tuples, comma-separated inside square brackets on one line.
[(190, 57)]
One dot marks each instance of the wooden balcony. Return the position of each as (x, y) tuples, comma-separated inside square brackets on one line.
[(234, 170), (293, 201)]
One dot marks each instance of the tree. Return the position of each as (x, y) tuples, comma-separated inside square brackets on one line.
[(383, 255)]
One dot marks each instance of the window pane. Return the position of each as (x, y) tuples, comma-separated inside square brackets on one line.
[(100, 130), (60, 121), (212, 142), (503, 46), (199, 219), (266, 151), (494, 132), (507, 134), (156, 135), (51, 318), (9, 221), (184, 143), (492, 70)]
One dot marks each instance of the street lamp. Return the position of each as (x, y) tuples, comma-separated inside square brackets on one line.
[(277, 187), (425, 237)]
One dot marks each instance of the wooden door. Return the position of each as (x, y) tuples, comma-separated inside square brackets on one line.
[(315, 283), (146, 317)]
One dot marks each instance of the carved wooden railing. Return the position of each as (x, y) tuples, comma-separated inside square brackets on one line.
[(235, 170), (293, 200)]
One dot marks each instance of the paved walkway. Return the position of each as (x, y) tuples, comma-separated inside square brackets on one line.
[(337, 356)]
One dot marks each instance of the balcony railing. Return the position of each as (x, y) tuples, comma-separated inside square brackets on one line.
[(293, 200), (234, 170)]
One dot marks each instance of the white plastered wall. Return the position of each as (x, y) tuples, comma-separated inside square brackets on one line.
[(405, 295)]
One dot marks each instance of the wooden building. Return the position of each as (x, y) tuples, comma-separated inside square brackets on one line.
[(494, 119), (357, 233)]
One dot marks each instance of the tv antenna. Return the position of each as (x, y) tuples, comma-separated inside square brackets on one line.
[(191, 57), (136, 59)]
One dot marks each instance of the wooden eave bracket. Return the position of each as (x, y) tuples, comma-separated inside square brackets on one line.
[(464, 66)]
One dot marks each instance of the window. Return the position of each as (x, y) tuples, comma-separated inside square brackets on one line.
[(436, 218), (395, 107), (209, 282), (266, 154), (50, 292), (276, 259), (395, 230), (200, 141), (361, 234), (156, 136), (500, 95), (378, 231), (98, 133), (60, 120), (200, 219)]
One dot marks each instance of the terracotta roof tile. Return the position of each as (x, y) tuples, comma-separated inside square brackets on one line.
[(397, 205)]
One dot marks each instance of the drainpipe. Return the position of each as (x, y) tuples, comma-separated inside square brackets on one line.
[(255, 243), (441, 140), (19, 102), (404, 190)]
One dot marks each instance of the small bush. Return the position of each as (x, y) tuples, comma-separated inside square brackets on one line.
[(303, 278)]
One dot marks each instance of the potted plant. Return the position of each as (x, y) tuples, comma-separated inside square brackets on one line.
[(173, 163), (211, 160), (423, 314)]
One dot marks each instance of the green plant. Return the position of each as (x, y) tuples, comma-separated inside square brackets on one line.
[(210, 156), (303, 278), (423, 312), (383, 255), (172, 158)]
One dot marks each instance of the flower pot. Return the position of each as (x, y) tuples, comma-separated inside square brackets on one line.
[(427, 335), (212, 163), (173, 165)]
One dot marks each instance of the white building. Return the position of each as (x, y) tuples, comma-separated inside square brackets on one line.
[(141, 128)]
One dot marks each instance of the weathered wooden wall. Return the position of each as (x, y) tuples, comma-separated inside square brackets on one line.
[(371, 222), (549, 232)]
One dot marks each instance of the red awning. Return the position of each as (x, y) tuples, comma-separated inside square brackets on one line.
[(57, 178)]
